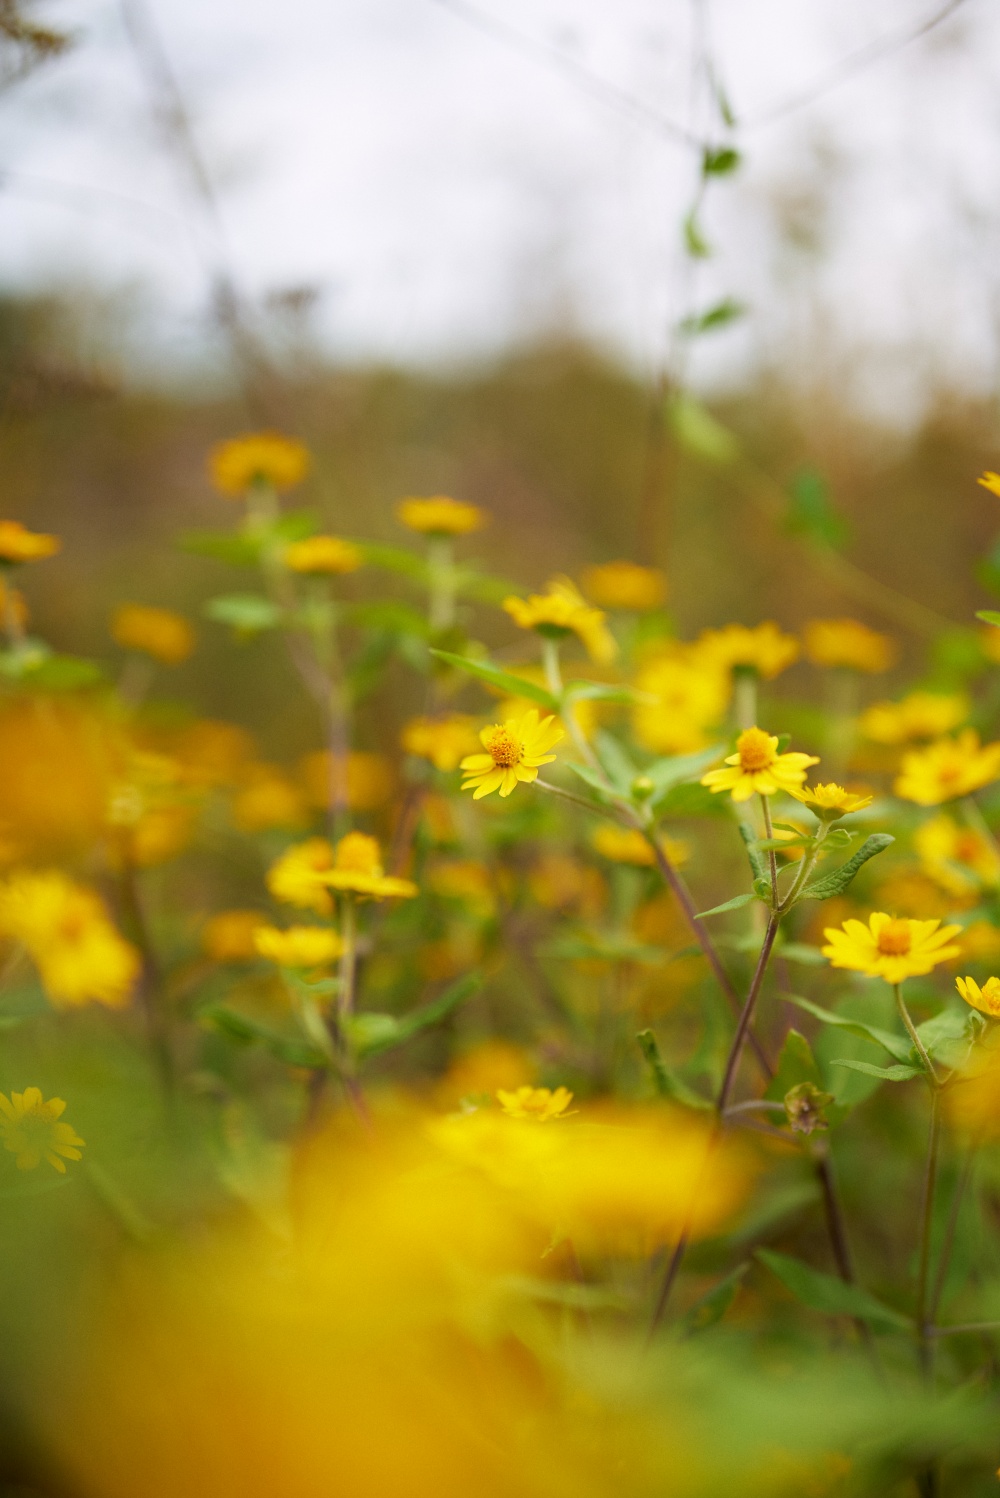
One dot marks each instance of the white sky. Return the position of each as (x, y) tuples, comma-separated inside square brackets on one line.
[(448, 193)]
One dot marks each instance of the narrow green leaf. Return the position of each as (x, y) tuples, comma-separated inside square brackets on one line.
[(898, 1046), (758, 868), (797, 951), (504, 681), (694, 241), (698, 432), (668, 773), (714, 1305), (243, 1027), (826, 1293), (223, 546), (621, 771), (248, 613), (988, 616), (593, 778), (598, 691), (392, 559), (720, 315), (886, 1073), (719, 162), (381, 1036), (838, 880), (666, 1082), (736, 903)]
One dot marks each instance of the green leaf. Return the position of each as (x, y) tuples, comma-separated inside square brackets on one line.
[(898, 1046), (838, 880), (242, 1027), (811, 512), (666, 1082), (699, 433), (694, 241), (757, 866), (247, 613), (719, 162), (714, 1305), (391, 615), (597, 691), (944, 1029), (796, 1064), (621, 771), (593, 778), (736, 903), (886, 1073), (504, 681), (797, 951), (63, 673), (223, 546), (392, 559), (675, 770), (826, 1293), (379, 1036), (988, 616), (718, 316)]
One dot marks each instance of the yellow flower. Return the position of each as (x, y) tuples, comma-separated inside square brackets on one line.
[(166, 636), (514, 751), (18, 544), (31, 1130), (258, 458), (921, 715), (298, 946), (690, 695), (229, 935), (267, 799), (66, 929), (889, 948), (625, 585), (764, 649), (985, 999), (959, 858), (536, 1103), (323, 554), (357, 870), (828, 802), (947, 768), (467, 880), (563, 611), (990, 481), (757, 767), (296, 877), (368, 779), (628, 845), (444, 741), (440, 516), (847, 642)]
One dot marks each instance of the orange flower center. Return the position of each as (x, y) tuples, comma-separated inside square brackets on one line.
[(754, 749), (503, 748), (895, 940), (967, 847)]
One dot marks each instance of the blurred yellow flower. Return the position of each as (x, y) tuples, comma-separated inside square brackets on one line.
[(467, 880), (440, 516), (228, 936), (514, 752), (267, 799), (828, 802), (889, 948), (990, 481), (959, 858), (947, 769), (625, 586), (66, 929), (563, 611), (444, 741), (622, 844), (323, 554), (847, 642), (368, 779), (691, 697), (357, 870), (18, 544), (160, 633), (763, 649), (296, 878), (557, 881), (985, 999), (298, 946), (539, 1104), (981, 942), (758, 768), (920, 715), (258, 458), (211, 753), (31, 1129), (13, 603)]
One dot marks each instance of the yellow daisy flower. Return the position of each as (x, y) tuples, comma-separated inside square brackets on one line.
[(539, 1104), (31, 1130), (958, 858), (444, 741), (947, 769), (889, 948), (920, 715), (323, 554), (66, 929), (828, 802), (763, 649), (848, 642), (18, 544), (625, 586), (563, 611), (296, 877), (689, 697), (758, 768), (160, 633), (990, 481), (229, 935), (985, 999), (628, 845), (357, 870), (440, 516), (298, 946), (258, 458), (514, 751)]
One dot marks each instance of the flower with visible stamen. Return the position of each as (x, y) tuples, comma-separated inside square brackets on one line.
[(891, 948), (985, 999), (758, 769), (514, 752)]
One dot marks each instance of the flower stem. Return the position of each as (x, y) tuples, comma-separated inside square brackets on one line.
[(927, 1480), (348, 959), (772, 862), (961, 1187), (918, 1044), (441, 583)]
